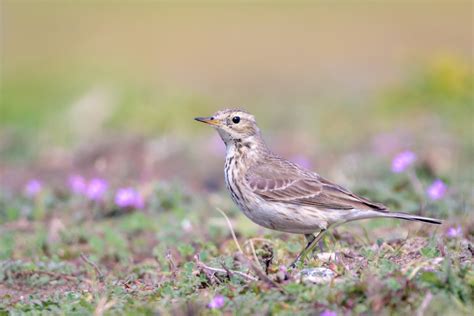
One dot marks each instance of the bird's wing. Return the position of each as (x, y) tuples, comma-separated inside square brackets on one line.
[(283, 181)]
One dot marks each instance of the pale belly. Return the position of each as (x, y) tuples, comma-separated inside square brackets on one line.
[(286, 218)]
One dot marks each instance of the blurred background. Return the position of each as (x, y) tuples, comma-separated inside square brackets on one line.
[(110, 89), (101, 160)]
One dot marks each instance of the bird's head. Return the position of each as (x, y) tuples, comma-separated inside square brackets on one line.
[(232, 125)]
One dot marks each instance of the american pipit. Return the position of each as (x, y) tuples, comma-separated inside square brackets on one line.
[(280, 195)]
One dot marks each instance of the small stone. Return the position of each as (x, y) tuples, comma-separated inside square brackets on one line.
[(316, 275), (326, 256)]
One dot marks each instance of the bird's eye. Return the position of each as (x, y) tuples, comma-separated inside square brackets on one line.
[(236, 119)]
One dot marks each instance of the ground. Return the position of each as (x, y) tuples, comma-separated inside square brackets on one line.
[(176, 255)]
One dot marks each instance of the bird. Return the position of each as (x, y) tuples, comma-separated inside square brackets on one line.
[(280, 195)]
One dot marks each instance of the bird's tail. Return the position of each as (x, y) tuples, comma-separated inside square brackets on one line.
[(410, 217), (399, 215)]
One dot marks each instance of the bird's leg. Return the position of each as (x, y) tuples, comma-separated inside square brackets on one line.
[(309, 238), (312, 242)]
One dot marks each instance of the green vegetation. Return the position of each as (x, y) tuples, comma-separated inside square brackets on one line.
[(67, 108), (146, 261)]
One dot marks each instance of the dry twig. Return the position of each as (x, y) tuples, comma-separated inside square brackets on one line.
[(255, 254), (231, 229), (426, 301), (229, 272), (203, 266), (100, 275), (172, 265), (103, 305), (261, 275), (244, 258), (57, 275)]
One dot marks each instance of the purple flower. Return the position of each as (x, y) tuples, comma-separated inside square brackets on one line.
[(77, 184), (437, 190), (302, 161), (454, 232), (282, 273), (402, 161), (33, 188), (217, 302), (96, 189), (328, 312), (128, 197)]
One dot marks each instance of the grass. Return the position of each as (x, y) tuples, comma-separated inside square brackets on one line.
[(63, 255)]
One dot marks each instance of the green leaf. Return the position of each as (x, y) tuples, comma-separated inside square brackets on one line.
[(393, 284), (431, 278), (429, 251), (186, 250)]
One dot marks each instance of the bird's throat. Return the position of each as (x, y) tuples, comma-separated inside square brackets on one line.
[(245, 149)]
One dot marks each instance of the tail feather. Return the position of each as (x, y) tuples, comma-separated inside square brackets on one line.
[(410, 217), (405, 216)]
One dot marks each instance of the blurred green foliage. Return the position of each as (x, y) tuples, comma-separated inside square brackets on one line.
[(442, 88), (36, 109)]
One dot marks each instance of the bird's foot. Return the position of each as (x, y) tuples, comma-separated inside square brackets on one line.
[(312, 242)]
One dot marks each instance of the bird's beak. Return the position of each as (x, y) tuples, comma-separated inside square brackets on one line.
[(208, 120)]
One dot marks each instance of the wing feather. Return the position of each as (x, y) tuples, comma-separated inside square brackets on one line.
[(283, 181)]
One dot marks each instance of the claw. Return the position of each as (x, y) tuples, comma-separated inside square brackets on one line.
[(312, 242)]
